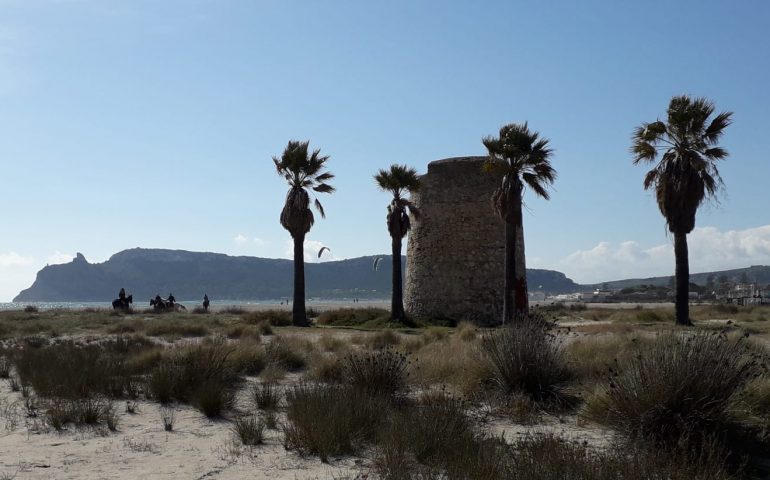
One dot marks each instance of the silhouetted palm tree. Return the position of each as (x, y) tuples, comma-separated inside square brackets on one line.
[(686, 174), (524, 160), (398, 180), (303, 171)]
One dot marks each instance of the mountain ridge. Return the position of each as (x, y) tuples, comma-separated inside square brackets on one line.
[(188, 275)]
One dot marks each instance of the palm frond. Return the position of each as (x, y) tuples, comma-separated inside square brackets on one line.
[(717, 126), (686, 172), (303, 171), (523, 157), (320, 208)]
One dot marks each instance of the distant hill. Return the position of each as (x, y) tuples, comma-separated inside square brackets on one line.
[(188, 275), (756, 274)]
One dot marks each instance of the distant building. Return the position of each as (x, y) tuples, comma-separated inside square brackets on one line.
[(747, 294), (596, 296)]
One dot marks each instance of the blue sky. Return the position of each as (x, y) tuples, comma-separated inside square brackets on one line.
[(152, 123)]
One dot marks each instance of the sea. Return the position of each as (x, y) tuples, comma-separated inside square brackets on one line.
[(215, 304)]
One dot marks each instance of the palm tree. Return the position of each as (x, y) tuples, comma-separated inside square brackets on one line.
[(686, 174), (303, 171), (398, 180), (523, 158)]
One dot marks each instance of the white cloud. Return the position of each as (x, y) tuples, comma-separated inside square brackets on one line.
[(240, 239), (13, 259), (311, 247), (16, 272), (59, 257), (709, 249)]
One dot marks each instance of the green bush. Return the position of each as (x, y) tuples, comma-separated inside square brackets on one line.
[(526, 359), (286, 353), (276, 318), (347, 317), (327, 420), (379, 373), (212, 397), (266, 395), (436, 438), (678, 389), (195, 374), (250, 430)]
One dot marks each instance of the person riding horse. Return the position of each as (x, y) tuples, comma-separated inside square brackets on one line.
[(160, 304), (123, 302), (205, 302)]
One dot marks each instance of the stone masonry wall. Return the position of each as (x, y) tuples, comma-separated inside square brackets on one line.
[(456, 248)]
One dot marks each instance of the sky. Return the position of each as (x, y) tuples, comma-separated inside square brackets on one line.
[(152, 123)]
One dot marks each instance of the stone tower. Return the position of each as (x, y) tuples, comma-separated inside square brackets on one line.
[(456, 249)]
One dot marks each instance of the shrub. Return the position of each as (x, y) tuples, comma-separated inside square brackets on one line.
[(5, 367), (249, 358), (330, 343), (242, 331), (466, 331), (346, 317), (249, 430), (270, 419), (678, 387), (525, 358), (436, 438), (161, 383), (382, 372), (67, 370), (286, 353), (327, 420), (212, 397), (266, 395), (453, 361), (264, 328), (233, 310), (83, 411), (30, 309), (435, 426), (93, 410), (195, 374), (167, 417), (276, 318), (174, 327), (547, 457), (57, 414), (384, 339), (327, 368)]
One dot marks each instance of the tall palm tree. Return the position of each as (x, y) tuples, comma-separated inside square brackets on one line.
[(523, 158), (398, 180), (303, 171), (686, 174)]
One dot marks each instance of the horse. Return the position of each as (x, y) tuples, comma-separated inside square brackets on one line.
[(123, 303), (163, 305)]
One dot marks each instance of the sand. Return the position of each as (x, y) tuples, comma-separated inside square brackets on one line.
[(197, 448)]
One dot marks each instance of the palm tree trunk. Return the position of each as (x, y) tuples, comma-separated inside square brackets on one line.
[(510, 272), (299, 318), (520, 290), (520, 293), (397, 298), (682, 273)]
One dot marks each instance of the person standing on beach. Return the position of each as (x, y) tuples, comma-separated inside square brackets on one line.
[(205, 302)]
